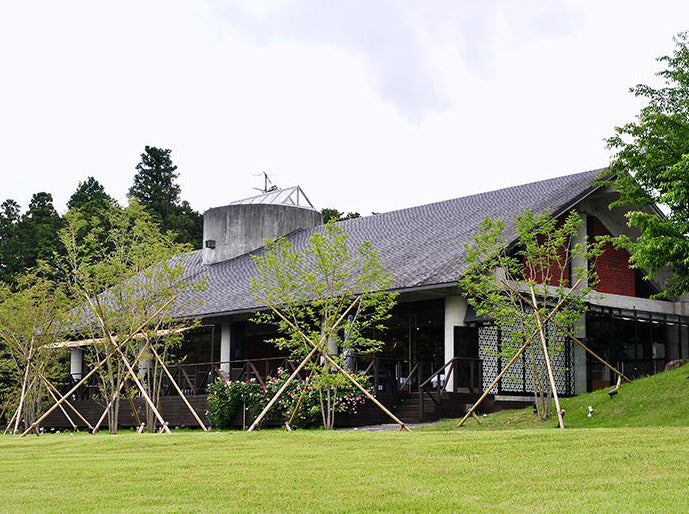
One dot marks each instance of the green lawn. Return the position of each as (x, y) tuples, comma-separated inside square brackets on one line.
[(622, 469), (632, 455)]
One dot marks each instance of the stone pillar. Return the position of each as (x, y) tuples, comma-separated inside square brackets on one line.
[(225, 348), (579, 354), (455, 312), (76, 363), (579, 357)]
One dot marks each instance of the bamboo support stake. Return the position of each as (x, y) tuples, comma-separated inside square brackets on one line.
[(141, 388), (593, 354), (302, 364), (95, 368), (521, 350), (349, 377), (301, 397), (495, 382), (548, 366), (51, 388), (284, 386), (132, 373), (179, 391), (25, 387)]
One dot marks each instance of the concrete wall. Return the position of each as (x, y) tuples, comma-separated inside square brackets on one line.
[(234, 230)]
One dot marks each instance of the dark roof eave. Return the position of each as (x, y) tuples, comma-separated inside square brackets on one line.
[(250, 310)]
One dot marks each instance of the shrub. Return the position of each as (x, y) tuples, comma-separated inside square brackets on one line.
[(225, 397)]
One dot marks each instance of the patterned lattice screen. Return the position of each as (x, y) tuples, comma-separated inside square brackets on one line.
[(518, 377)]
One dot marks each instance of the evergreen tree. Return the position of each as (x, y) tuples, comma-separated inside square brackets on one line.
[(9, 241), (155, 188), (36, 234), (90, 198)]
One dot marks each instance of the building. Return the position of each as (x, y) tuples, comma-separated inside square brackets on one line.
[(432, 324)]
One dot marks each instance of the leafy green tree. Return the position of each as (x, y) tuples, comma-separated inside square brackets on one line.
[(28, 317), (120, 286), (156, 189), (335, 215), (651, 165), (507, 276), (312, 288)]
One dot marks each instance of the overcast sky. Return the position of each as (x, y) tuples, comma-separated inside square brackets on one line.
[(368, 105)]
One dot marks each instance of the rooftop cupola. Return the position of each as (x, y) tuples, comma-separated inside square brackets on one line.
[(245, 225)]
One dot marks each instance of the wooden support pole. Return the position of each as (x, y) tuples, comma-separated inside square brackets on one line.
[(546, 356), (52, 390), (495, 382), (130, 370), (521, 350), (284, 386), (179, 391), (96, 368), (339, 368), (301, 397), (593, 354), (303, 363)]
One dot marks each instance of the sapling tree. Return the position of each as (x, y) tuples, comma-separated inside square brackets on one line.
[(128, 278), (311, 288), (537, 264), (28, 318)]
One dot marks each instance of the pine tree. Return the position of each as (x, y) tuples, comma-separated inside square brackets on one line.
[(155, 188)]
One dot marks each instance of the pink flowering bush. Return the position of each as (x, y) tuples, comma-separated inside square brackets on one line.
[(226, 397)]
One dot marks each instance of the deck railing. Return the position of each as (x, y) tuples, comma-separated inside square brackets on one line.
[(387, 375)]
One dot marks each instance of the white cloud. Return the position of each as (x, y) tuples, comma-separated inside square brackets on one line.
[(369, 105)]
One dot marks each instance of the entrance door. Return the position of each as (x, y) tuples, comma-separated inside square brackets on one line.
[(467, 369)]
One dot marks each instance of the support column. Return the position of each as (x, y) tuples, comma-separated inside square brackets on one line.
[(225, 347), (455, 312), (579, 264), (579, 357), (76, 363)]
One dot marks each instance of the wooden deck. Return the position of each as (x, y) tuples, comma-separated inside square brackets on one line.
[(406, 407)]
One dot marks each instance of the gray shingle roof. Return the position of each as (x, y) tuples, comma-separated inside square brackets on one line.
[(423, 246)]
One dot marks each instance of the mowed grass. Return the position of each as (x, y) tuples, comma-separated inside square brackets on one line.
[(632, 455), (581, 470), (658, 400)]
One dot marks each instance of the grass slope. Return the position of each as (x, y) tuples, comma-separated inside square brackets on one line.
[(658, 400)]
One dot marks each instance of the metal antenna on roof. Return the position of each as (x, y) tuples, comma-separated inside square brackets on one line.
[(268, 185)]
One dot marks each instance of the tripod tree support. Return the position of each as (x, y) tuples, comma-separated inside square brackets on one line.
[(349, 377), (519, 352), (98, 365), (303, 362)]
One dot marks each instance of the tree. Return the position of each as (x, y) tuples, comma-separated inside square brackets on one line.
[(335, 215), (126, 288), (311, 289), (651, 166), (37, 233), (10, 257), (155, 188), (90, 198), (28, 318), (508, 276)]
